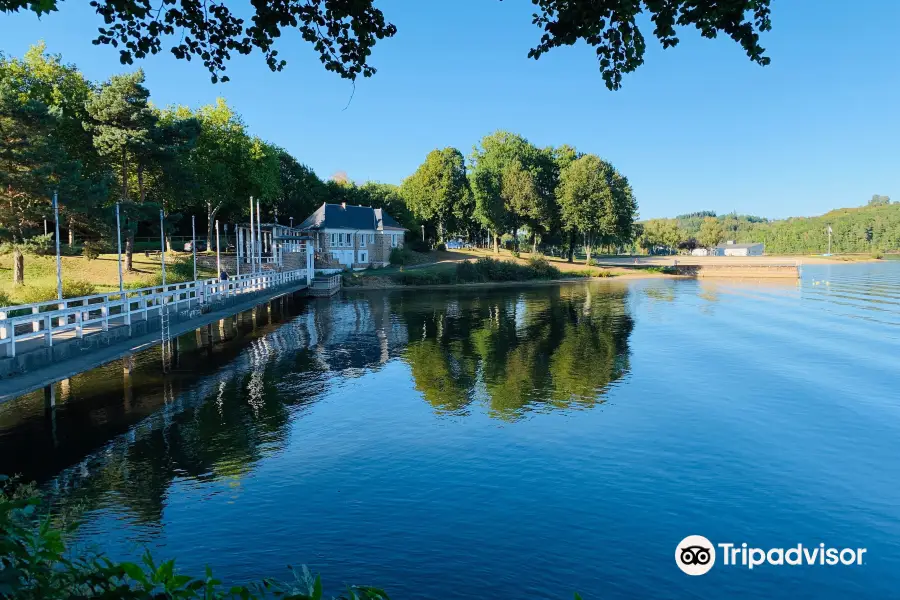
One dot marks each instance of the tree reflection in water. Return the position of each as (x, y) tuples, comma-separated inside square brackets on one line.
[(123, 440), (544, 348)]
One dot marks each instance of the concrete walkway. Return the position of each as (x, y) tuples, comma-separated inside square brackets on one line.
[(19, 384)]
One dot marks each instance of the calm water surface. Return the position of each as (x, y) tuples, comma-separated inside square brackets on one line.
[(513, 443)]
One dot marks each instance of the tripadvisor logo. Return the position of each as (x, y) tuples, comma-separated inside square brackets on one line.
[(696, 555)]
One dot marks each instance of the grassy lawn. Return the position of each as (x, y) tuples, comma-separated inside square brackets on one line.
[(102, 272)]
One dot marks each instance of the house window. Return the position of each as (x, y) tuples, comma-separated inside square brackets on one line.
[(393, 240), (362, 239), (334, 239), (363, 256), (371, 238)]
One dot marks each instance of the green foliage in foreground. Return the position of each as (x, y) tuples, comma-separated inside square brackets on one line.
[(483, 270), (35, 564)]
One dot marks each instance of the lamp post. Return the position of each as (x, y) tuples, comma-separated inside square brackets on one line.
[(218, 255), (126, 306), (162, 246), (292, 222), (423, 233), (194, 244), (59, 290)]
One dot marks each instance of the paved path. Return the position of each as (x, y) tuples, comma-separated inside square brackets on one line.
[(17, 385)]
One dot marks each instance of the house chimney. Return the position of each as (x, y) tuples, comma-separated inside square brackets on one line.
[(344, 205)]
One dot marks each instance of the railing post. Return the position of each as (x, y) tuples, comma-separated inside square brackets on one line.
[(48, 336), (64, 320), (35, 325), (11, 331), (79, 330), (3, 325), (104, 312), (126, 307)]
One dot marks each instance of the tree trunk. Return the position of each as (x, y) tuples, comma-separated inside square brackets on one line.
[(140, 178), (129, 251), (587, 251), (496, 244), (71, 231), (571, 246), (18, 267), (533, 243), (124, 175)]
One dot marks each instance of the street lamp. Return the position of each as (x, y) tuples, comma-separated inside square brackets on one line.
[(292, 222), (423, 233)]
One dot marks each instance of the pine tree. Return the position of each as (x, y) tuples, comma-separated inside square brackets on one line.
[(123, 124)]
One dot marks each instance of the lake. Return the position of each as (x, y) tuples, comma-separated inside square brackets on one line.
[(505, 443)]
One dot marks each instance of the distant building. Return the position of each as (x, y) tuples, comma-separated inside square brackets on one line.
[(352, 236), (700, 252), (730, 248)]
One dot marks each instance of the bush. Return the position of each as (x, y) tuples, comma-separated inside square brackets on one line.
[(92, 250), (71, 289), (417, 246), (878, 255), (515, 253), (399, 256), (405, 256), (5, 299), (441, 247), (542, 268), (180, 270)]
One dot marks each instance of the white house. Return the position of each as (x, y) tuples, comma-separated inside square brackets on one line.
[(730, 248)]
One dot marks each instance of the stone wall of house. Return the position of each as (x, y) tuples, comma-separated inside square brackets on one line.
[(208, 262), (293, 260)]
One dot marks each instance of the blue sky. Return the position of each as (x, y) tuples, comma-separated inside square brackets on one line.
[(697, 127)]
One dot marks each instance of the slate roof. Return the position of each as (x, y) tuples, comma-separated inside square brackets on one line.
[(340, 216)]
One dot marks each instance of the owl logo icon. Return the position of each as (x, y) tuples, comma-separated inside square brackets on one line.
[(695, 555)]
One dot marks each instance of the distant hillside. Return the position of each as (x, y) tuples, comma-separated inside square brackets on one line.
[(862, 229)]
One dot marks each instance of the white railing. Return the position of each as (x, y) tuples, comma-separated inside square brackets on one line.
[(70, 316)]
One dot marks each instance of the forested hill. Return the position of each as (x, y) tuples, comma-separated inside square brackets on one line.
[(869, 228)]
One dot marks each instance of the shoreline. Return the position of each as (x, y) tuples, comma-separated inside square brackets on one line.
[(505, 284)]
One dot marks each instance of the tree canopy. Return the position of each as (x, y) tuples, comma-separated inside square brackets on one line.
[(344, 32), (438, 192)]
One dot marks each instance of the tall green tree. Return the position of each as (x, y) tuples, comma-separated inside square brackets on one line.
[(123, 124), (390, 198), (711, 232), (438, 191), (519, 191), (512, 183), (63, 89), (301, 189), (587, 200), (219, 160), (28, 158)]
